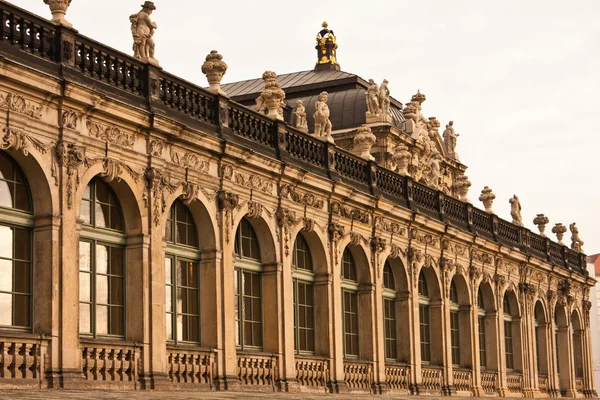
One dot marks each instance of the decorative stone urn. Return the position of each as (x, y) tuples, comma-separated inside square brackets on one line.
[(559, 230), (487, 198), (58, 8), (402, 159), (541, 221), (270, 100), (363, 142), (214, 68), (462, 186)]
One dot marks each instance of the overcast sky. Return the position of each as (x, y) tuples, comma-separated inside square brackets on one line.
[(521, 79)]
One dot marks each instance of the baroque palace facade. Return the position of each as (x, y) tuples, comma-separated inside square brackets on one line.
[(158, 235)]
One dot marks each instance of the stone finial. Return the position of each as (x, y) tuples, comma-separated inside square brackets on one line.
[(142, 30), (576, 242), (515, 210), (321, 116), (58, 8), (487, 198), (541, 221), (301, 122), (450, 141), (559, 230), (402, 159), (363, 142), (462, 186), (270, 101), (214, 68)]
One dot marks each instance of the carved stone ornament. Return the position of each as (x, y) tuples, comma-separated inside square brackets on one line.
[(487, 198), (415, 255), (308, 225), (285, 220), (576, 242), (336, 232), (378, 244), (255, 209), (113, 169), (389, 227), (111, 134), (462, 186), (541, 221), (142, 30), (156, 147), (15, 139), (450, 141), (158, 183), (70, 119), (190, 192), (396, 251), (378, 102), (515, 210), (254, 182), (70, 157), (58, 8), (401, 158), (363, 142), (214, 68), (190, 160), (270, 101), (18, 104), (227, 202), (301, 122), (226, 172), (321, 117), (559, 230), (355, 214), (307, 199)]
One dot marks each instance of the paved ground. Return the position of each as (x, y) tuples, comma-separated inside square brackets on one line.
[(106, 395)]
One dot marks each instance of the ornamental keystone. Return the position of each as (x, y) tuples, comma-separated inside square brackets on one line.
[(58, 8), (270, 101), (214, 68), (487, 198), (541, 221), (363, 142)]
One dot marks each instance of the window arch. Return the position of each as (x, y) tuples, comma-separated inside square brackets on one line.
[(304, 297), (350, 305), (248, 288), (16, 238), (454, 325), (424, 322), (101, 263), (182, 276), (389, 313)]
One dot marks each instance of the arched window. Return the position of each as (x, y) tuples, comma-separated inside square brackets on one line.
[(481, 330), (16, 238), (454, 325), (424, 322), (182, 276), (508, 334), (248, 288), (350, 305), (304, 297), (101, 263), (389, 313)]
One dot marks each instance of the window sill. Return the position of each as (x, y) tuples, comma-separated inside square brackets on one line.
[(107, 341), (20, 334), (189, 347)]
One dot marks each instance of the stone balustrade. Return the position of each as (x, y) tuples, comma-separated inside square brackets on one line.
[(191, 367), (358, 374), (462, 379), (397, 377), (257, 370), (489, 381), (514, 382), (110, 363), (432, 379), (543, 383), (312, 372), (22, 360)]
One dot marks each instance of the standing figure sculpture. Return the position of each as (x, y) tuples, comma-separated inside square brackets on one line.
[(576, 242), (515, 210), (321, 117), (373, 98), (142, 29), (384, 98), (450, 140), (301, 122)]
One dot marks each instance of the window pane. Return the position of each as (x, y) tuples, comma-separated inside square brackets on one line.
[(22, 277), (169, 300), (6, 194), (194, 334), (85, 251), (168, 231), (169, 325), (257, 334), (102, 320), (85, 212), (6, 242), (102, 289), (192, 237), (6, 309), (22, 201), (101, 259), (85, 287), (85, 318), (168, 271), (101, 215), (116, 291), (22, 310), (116, 220), (6, 276), (117, 321), (6, 169), (87, 193), (102, 191), (193, 302), (116, 261), (181, 233)]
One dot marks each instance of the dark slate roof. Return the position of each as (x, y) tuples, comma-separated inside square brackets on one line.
[(302, 79)]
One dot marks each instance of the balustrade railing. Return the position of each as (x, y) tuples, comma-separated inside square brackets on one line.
[(22, 359), (514, 382), (110, 363), (397, 377), (543, 383), (358, 374), (257, 370), (489, 381), (119, 74), (432, 379), (463, 379), (192, 367), (312, 372)]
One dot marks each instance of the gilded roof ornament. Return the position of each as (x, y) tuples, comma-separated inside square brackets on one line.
[(326, 49)]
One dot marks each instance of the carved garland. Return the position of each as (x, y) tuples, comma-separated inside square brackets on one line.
[(15, 139), (227, 202), (307, 199), (18, 104), (190, 160), (110, 134), (158, 183)]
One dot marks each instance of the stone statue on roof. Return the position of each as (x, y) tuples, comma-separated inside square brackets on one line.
[(378, 102), (321, 117), (450, 140), (384, 98), (372, 98), (576, 242), (515, 211), (142, 30), (300, 112)]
